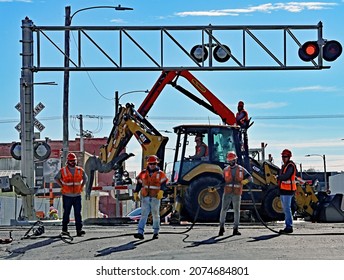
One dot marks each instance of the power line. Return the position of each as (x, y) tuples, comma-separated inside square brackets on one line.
[(293, 117)]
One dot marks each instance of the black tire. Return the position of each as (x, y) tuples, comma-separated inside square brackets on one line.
[(200, 204), (272, 207)]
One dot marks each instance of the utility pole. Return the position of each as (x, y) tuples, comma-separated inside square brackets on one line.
[(82, 145), (65, 120)]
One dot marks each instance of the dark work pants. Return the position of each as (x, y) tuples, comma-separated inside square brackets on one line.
[(69, 202)]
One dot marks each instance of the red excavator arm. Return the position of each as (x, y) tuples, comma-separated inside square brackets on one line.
[(171, 77)]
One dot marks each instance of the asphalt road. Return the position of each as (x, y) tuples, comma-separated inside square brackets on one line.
[(310, 241)]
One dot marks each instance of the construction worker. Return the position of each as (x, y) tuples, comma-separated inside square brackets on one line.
[(201, 148), (152, 183), (235, 177), (71, 179), (242, 116), (287, 186)]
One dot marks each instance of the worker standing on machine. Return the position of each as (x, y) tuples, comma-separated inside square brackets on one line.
[(235, 177), (152, 183), (287, 185), (242, 116), (71, 179)]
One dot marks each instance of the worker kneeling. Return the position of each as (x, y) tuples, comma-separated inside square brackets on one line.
[(152, 183), (235, 176)]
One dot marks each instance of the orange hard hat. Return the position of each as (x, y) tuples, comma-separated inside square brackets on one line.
[(286, 153), (152, 159), (71, 156), (231, 156)]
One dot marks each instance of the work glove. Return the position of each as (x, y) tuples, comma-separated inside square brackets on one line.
[(160, 194), (212, 189), (245, 181), (136, 197)]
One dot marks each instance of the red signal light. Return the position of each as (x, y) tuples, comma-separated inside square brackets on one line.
[(309, 51)]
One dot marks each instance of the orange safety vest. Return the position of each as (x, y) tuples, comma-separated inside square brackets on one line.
[(233, 185), (289, 185), (151, 184), (198, 149), (72, 184)]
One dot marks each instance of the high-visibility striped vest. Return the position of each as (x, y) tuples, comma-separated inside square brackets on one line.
[(233, 185), (289, 185), (71, 184), (151, 184)]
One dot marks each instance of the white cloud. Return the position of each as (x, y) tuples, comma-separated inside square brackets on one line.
[(267, 105), (313, 89), (292, 7), (117, 20), (7, 1)]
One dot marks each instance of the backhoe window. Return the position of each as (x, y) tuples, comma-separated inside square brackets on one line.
[(223, 143), (197, 147)]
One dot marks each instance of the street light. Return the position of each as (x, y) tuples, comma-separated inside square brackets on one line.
[(68, 21), (117, 98), (324, 160)]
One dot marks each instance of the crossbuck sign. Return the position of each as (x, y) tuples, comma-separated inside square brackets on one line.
[(39, 107)]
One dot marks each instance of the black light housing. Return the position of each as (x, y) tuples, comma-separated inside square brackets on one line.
[(41, 150), (222, 53), (332, 50), (199, 53), (309, 51)]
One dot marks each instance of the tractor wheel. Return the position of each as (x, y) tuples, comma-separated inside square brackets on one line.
[(200, 204), (272, 206)]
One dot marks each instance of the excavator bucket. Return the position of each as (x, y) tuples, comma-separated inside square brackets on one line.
[(94, 164), (330, 209)]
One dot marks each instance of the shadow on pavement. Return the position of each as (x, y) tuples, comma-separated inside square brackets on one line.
[(125, 247), (21, 251), (263, 237), (209, 241)]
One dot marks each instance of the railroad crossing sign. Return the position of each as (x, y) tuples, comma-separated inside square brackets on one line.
[(39, 107)]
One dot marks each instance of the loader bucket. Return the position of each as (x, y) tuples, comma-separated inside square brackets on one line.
[(331, 209)]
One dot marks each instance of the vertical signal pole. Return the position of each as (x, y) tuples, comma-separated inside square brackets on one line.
[(26, 118), (65, 120)]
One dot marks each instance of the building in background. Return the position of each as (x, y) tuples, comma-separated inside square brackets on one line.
[(103, 199)]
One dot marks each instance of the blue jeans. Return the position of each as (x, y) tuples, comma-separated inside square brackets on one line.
[(69, 202), (149, 205), (286, 204)]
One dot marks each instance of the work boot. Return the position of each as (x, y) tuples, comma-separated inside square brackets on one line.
[(155, 236), (286, 230), (139, 236), (80, 232), (222, 230), (236, 232)]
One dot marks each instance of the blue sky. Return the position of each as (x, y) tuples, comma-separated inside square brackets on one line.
[(299, 110)]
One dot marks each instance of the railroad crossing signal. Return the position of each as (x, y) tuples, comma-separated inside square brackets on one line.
[(331, 50), (39, 107)]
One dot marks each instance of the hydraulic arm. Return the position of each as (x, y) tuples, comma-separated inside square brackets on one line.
[(129, 122)]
